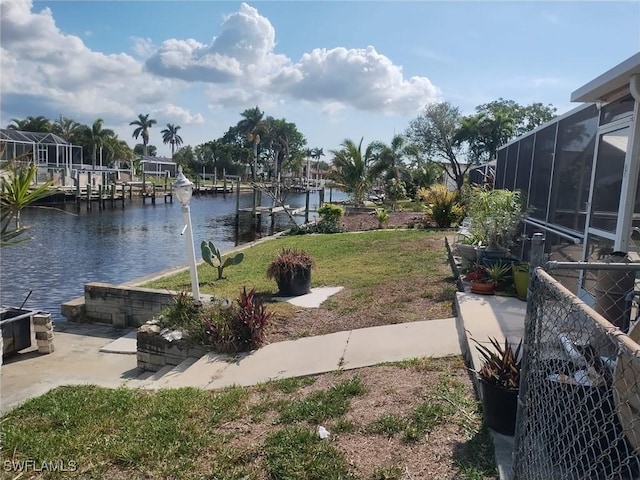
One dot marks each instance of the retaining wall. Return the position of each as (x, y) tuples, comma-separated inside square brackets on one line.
[(118, 305)]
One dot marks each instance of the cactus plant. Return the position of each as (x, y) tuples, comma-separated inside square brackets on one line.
[(213, 257)]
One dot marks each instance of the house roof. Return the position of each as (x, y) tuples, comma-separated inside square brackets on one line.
[(609, 83), (31, 137)]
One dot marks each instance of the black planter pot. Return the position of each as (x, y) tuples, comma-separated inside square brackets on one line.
[(499, 407), (294, 285)]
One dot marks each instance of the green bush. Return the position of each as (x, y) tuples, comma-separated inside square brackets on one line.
[(331, 213), (442, 205)]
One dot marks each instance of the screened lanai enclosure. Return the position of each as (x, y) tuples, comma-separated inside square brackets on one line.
[(579, 173)]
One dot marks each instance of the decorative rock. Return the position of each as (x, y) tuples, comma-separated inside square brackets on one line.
[(149, 328)]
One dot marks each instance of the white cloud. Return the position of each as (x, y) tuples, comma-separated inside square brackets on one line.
[(48, 72), (143, 47), (362, 78), (175, 114), (243, 59)]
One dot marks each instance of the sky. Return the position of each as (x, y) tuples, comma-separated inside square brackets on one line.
[(336, 69)]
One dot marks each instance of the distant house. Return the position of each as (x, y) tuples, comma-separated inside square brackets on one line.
[(55, 157), (158, 166)]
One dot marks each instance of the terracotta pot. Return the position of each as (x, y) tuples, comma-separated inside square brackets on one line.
[(483, 288)]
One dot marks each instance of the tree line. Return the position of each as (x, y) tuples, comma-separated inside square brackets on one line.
[(440, 136)]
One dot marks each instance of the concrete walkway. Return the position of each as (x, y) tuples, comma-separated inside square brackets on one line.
[(321, 354)]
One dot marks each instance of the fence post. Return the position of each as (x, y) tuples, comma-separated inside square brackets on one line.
[(537, 251)]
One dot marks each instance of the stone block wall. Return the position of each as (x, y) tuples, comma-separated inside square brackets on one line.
[(122, 306), (43, 328), (159, 348)]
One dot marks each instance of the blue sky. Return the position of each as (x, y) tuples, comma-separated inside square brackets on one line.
[(337, 69)]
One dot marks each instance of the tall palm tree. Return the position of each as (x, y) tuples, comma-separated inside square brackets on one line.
[(316, 153), (251, 126), (31, 124), (95, 138), (143, 124), (308, 152), (352, 169), (170, 135)]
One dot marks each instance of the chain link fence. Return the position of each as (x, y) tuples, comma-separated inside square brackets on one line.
[(579, 404)]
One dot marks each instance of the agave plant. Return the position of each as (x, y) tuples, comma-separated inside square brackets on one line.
[(501, 365)]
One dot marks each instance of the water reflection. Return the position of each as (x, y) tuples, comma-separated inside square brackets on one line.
[(115, 245)]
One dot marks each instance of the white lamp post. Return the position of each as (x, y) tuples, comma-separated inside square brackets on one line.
[(184, 189)]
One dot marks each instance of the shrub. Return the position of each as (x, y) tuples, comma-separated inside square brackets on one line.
[(239, 328), (382, 216), (225, 326), (331, 213), (442, 205)]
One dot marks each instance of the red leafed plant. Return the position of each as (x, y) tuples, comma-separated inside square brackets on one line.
[(252, 319)]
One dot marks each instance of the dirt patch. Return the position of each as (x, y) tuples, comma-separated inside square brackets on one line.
[(449, 449), (368, 221)]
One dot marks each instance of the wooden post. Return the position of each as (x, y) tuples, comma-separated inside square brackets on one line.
[(330, 194), (321, 194), (238, 202), (78, 193), (100, 193), (215, 181), (224, 182), (130, 191), (306, 206), (123, 195), (144, 182), (153, 193), (88, 191)]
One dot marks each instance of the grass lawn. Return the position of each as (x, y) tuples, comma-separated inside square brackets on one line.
[(389, 276), (412, 420)]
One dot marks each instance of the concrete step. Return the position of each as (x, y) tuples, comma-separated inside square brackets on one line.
[(145, 378), (174, 372), (205, 370)]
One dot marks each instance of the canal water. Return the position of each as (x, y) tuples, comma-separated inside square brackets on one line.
[(68, 248)]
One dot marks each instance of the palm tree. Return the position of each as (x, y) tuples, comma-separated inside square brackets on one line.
[(389, 158), (67, 128), (143, 124), (16, 193), (31, 124), (308, 152), (96, 138), (352, 169), (170, 135), (316, 153), (250, 126)]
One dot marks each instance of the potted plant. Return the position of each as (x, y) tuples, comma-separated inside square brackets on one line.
[(499, 383), (291, 270), (467, 246), (500, 274), (495, 216), (520, 273), (480, 281)]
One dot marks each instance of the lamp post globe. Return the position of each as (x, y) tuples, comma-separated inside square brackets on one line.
[(184, 189)]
